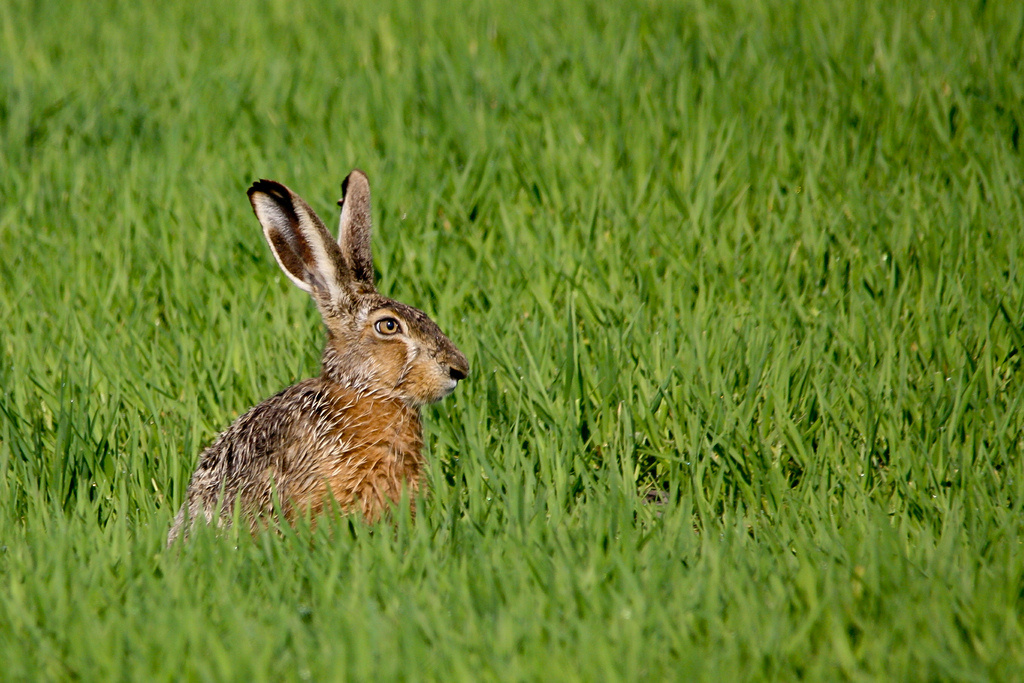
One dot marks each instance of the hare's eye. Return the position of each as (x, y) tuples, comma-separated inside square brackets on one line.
[(387, 326)]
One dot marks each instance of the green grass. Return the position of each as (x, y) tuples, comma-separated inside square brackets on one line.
[(765, 258)]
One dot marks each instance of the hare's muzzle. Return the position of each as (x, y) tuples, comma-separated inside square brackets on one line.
[(458, 367)]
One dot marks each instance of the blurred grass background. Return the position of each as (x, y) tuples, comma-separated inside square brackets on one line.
[(740, 283)]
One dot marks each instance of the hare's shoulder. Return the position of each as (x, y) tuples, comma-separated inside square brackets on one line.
[(315, 415), (267, 429)]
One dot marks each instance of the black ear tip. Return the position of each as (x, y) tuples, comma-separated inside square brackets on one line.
[(262, 185), (269, 187), (274, 191), (344, 183)]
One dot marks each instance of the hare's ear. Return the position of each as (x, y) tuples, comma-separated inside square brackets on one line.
[(354, 233), (300, 242)]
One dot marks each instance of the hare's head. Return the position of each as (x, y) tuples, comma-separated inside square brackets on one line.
[(374, 344)]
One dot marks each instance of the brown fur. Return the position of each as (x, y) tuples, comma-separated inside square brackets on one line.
[(352, 435)]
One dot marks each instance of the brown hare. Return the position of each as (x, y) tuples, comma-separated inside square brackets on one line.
[(353, 434)]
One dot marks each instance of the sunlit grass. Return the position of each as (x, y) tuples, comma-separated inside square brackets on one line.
[(741, 287)]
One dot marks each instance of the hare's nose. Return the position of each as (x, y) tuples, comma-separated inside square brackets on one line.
[(458, 366)]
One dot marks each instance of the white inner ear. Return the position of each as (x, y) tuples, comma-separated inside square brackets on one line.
[(276, 224), (343, 226), (301, 284), (320, 270), (323, 265)]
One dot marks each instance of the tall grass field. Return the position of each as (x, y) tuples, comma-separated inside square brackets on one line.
[(741, 284)]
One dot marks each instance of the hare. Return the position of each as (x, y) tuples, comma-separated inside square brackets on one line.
[(353, 434)]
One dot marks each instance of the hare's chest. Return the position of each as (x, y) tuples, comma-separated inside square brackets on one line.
[(362, 461)]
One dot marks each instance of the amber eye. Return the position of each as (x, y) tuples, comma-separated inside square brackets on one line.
[(387, 326)]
